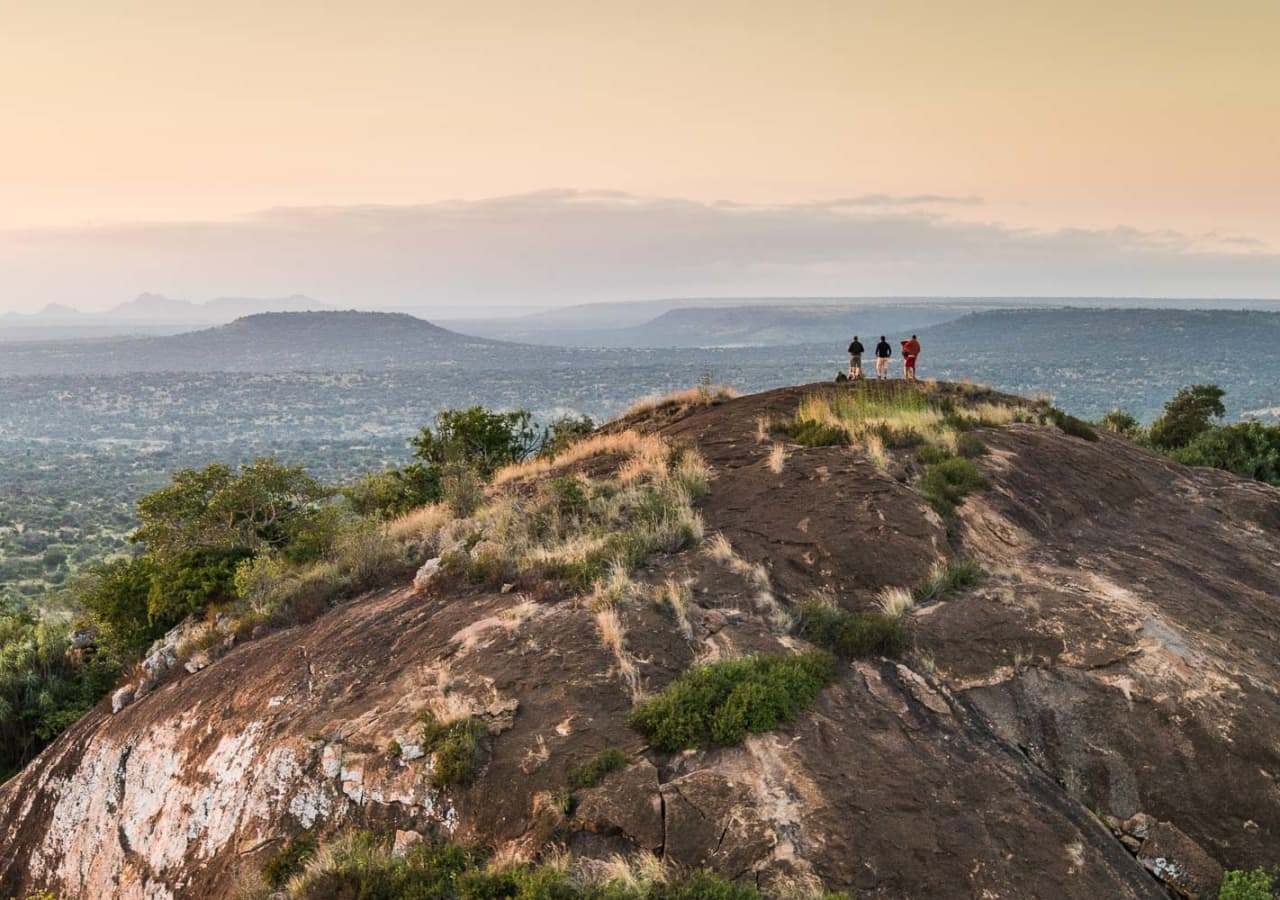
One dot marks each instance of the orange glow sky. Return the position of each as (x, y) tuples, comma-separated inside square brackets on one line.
[(1151, 115)]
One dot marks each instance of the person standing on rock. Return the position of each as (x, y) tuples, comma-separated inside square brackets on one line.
[(910, 352), (855, 358), (883, 352)]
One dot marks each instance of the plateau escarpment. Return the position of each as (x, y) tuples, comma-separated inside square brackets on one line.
[(1055, 671)]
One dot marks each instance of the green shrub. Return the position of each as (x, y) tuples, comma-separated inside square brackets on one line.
[(289, 860), (458, 747), (813, 434), (1120, 422), (848, 634), (592, 772), (385, 495), (478, 439), (1240, 885), (943, 580), (1248, 449), (188, 582), (970, 446), (215, 508), (722, 702), (114, 596), (1069, 424), (945, 484), (932, 454)]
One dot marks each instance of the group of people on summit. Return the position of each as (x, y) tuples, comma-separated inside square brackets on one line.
[(884, 352)]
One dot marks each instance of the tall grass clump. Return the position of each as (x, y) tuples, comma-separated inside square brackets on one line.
[(946, 579), (851, 635), (720, 703), (879, 420), (700, 395)]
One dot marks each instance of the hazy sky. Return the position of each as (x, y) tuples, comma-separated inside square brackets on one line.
[(385, 152)]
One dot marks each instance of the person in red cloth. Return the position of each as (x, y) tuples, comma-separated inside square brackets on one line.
[(910, 352)]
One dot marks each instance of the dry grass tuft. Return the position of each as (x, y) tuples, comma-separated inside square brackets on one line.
[(777, 458), (628, 443), (677, 596), (702, 395), (896, 602), (763, 427), (613, 634), (636, 873)]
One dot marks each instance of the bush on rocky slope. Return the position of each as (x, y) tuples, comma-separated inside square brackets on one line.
[(851, 635), (945, 484), (720, 703)]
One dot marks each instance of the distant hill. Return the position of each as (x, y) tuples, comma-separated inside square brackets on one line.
[(266, 342), (775, 321), (145, 314), (760, 323)]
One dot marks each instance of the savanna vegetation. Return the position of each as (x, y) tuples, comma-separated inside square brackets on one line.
[(260, 545)]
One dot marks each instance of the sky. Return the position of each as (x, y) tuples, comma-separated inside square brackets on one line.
[(473, 155)]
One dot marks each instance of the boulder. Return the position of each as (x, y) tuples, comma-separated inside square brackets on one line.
[(426, 573), (626, 802), (405, 841), (1180, 862), (122, 698)]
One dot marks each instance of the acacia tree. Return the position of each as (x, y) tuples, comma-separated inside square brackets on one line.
[(1190, 413)]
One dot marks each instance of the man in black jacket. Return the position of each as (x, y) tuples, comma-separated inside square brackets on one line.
[(883, 352), (855, 358)]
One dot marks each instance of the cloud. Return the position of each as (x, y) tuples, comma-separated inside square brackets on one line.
[(564, 246)]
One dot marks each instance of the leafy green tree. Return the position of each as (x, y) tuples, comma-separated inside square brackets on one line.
[(216, 508), (1190, 413), (1249, 449), (564, 431), (477, 437), (393, 492)]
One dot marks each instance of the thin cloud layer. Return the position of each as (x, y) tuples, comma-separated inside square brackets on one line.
[(562, 246)]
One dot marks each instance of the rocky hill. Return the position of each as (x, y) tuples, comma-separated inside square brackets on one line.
[(1082, 700)]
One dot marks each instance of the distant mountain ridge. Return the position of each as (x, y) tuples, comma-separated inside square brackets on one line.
[(342, 340), (145, 314)]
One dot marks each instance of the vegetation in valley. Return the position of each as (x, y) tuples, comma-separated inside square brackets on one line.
[(720, 703)]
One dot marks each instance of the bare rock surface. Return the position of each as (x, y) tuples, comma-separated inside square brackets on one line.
[(1120, 660)]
